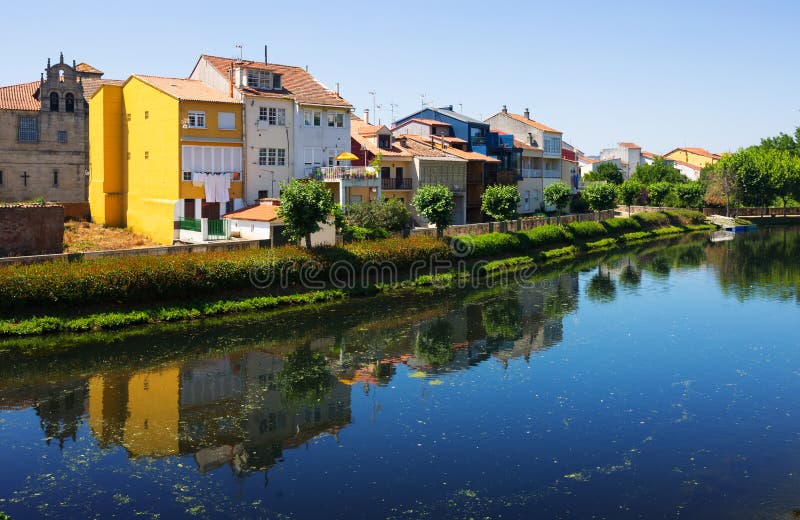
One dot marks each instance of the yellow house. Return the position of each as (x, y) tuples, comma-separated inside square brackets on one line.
[(695, 156), (165, 158)]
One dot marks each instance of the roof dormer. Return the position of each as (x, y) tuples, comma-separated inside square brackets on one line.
[(261, 79)]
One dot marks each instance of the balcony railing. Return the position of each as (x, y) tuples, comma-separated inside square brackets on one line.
[(552, 174), (190, 224), (342, 173), (396, 184), (530, 173), (477, 141)]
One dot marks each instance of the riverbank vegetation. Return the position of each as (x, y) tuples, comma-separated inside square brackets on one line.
[(116, 293)]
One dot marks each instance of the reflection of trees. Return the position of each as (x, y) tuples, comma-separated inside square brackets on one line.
[(760, 263), (435, 345), (502, 320), (561, 300), (602, 288), (630, 277), (305, 378)]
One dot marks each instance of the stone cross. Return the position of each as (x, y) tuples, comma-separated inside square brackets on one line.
[(25, 177)]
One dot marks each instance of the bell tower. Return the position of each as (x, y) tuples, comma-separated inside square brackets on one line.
[(60, 88)]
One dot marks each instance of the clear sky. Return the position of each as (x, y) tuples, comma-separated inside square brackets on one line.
[(715, 74)]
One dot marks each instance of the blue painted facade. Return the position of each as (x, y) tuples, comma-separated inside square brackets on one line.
[(464, 127)]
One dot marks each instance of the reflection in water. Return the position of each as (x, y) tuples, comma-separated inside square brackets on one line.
[(302, 381)]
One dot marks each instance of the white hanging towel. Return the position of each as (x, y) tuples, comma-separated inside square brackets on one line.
[(224, 184), (198, 179), (211, 187)]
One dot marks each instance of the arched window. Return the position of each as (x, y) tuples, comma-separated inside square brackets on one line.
[(69, 103), (61, 76), (54, 102)]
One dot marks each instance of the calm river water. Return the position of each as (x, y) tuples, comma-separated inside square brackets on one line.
[(657, 383)]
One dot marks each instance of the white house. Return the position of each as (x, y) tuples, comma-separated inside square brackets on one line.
[(260, 221), (629, 156), (292, 123)]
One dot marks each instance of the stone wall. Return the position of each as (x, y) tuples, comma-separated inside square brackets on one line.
[(31, 230), (512, 226), (754, 212)]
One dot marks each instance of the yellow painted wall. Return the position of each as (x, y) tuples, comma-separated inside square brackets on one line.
[(151, 428), (153, 161), (689, 157), (106, 150)]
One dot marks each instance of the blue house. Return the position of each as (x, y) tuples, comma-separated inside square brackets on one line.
[(480, 139)]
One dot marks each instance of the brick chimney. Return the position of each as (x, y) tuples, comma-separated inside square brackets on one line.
[(366, 115)]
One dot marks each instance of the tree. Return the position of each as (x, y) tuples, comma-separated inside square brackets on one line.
[(784, 171), (435, 345), (720, 182), (629, 191), (658, 191), (692, 194), (500, 202), (755, 183), (304, 205), (783, 142), (389, 214), (600, 196), (558, 195), (435, 203), (605, 171), (658, 171), (304, 378)]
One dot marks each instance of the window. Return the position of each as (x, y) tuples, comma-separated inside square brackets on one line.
[(276, 157), (527, 200), (128, 117), (187, 176), (55, 177), (263, 194), (197, 119), (1, 177), (69, 103), (552, 145), (262, 157), (28, 130), (259, 79), (262, 113), (147, 114), (62, 137), (276, 82), (277, 116), (226, 121), (53, 102), (312, 118), (336, 119), (146, 154)]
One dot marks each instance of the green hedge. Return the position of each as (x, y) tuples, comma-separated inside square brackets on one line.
[(545, 235), (652, 220), (619, 224), (685, 217), (586, 229)]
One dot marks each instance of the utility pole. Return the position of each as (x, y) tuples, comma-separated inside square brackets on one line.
[(392, 107), (374, 109)]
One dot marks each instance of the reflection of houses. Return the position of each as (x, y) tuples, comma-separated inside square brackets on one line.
[(59, 406), (225, 410)]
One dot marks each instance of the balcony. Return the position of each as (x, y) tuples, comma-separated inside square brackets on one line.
[(348, 175), (530, 173), (477, 141), (552, 174), (395, 184)]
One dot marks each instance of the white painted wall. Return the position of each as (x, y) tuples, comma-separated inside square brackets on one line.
[(260, 135), (323, 140), (250, 229)]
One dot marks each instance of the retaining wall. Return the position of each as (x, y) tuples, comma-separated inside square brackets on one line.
[(513, 225), (31, 230)]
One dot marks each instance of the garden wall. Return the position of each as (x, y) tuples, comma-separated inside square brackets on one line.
[(513, 225), (31, 230)]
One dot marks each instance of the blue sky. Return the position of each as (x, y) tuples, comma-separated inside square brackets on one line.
[(713, 74)]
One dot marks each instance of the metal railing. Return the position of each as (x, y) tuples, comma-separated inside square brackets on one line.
[(336, 173), (552, 174), (191, 224), (530, 173), (396, 184), (216, 229)]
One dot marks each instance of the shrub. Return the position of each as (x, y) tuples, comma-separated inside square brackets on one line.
[(658, 192), (605, 243), (557, 194), (364, 233), (544, 235), (685, 217), (619, 224), (578, 204), (637, 235), (669, 230), (586, 229), (489, 244), (390, 214), (650, 220), (600, 196), (500, 202), (435, 203)]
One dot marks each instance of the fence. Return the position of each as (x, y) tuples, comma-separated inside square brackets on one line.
[(513, 225), (754, 212)]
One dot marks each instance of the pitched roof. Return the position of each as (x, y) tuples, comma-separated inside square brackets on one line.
[(588, 160), (525, 146), (186, 89), (649, 155), (86, 68), (92, 85), (686, 164), (425, 121), (419, 140), (696, 151), (258, 212), (420, 146), (358, 127), (531, 122), (295, 81), (628, 145), (20, 97)]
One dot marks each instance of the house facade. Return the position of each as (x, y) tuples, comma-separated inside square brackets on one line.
[(695, 156), (44, 134), (629, 156), (293, 125), (166, 158)]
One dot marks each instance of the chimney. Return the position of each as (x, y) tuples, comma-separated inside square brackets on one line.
[(366, 115), (266, 62), (527, 114), (337, 88), (505, 110), (269, 202), (230, 82)]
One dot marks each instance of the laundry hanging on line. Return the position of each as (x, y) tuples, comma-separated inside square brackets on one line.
[(216, 185)]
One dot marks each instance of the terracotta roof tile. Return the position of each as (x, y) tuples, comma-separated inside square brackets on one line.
[(85, 67), (186, 89), (358, 126), (629, 145), (421, 141), (697, 151), (686, 164), (649, 155), (92, 85), (295, 81), (259, 212), (525, 146), (20, 97), (531, 122)]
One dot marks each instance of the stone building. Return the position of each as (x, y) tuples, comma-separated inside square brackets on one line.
[(44, 134)]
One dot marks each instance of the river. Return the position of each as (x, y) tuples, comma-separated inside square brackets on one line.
[(652, 383)]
